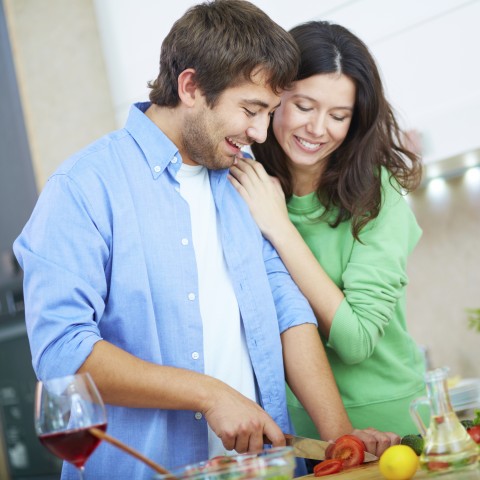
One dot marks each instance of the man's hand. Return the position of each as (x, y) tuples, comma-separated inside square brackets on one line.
[(376, 442), (239, 422)]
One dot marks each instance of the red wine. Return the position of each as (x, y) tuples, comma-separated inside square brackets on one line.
[(74, 446)]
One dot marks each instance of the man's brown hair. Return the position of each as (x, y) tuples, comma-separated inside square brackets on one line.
[(225, 41)]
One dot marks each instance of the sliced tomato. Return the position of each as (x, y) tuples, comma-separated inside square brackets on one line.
[(327, 467), (329, 449), (347, 448), (355, 439), (474, 432), (437, 466), (220, 460)]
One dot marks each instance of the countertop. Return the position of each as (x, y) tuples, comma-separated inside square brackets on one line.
[(370, 471)]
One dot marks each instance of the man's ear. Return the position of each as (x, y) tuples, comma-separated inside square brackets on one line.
[(187, 87)]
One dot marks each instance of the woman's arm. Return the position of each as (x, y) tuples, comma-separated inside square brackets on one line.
[(266, 201), (352, 318)]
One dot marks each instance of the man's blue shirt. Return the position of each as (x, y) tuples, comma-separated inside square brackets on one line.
[(108, 254)]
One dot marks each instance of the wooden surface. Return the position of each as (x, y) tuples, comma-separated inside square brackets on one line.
[(370, 471)]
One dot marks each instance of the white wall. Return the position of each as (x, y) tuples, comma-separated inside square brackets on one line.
[(427, 52)]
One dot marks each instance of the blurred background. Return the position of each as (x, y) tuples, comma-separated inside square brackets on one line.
[(69, 71)]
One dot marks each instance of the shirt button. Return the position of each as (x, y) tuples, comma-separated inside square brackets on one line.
[(184, 241), (198, 415), (156, 168), (195, 355), (174, 160), (177, 189), (191, 296)]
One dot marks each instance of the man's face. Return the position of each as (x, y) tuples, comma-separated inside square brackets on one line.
[(214, 136)]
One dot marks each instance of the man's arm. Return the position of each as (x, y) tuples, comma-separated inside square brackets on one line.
[(309, 376), (126, 380)]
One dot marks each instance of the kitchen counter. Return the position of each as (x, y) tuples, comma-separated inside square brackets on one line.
[(370, 471)]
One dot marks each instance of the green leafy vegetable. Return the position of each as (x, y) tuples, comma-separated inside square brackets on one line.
[(467, 423), (474, 318), (416, 442), (476, 420)]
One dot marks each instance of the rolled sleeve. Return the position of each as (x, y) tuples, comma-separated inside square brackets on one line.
[(64, 291), (292, 307)]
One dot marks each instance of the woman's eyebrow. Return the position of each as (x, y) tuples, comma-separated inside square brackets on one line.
[(311, 99)]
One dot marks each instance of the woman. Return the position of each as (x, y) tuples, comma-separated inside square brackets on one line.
[(335, 152)]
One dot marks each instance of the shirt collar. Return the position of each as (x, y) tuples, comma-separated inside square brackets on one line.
[(158, 149)]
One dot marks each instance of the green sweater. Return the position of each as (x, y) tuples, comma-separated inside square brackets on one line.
[(378, 367)]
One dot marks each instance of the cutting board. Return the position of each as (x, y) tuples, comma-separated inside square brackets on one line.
[(370, 471), (366, 471)]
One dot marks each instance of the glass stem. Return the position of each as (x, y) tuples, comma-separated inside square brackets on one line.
[(81, 473)]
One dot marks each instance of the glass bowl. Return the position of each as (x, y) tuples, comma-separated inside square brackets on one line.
[(273, 463)]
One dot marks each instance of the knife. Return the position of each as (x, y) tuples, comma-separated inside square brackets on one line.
[(311, 448)]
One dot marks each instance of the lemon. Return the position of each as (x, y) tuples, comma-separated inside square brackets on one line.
[(398, 462)]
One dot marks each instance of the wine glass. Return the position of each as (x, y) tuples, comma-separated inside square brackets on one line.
[(66, 409)]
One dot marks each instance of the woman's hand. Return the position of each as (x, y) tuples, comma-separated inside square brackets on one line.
[(263, 195)]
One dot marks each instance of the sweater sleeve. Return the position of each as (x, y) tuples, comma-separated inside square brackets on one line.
[(374, 279)]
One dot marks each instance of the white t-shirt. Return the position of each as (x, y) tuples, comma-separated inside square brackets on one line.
[(225, 348)]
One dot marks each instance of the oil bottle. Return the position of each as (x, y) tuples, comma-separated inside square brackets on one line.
[(447, 445)]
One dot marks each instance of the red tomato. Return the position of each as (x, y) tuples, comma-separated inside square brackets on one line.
[(356, 439), (437, 466), (474, 432), (220, 460), (347, 448), (327, 467)]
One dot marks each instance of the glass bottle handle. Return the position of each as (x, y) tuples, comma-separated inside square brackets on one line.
[(416, 416)]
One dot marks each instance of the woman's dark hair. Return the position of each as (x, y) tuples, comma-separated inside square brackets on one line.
[(225, 41), (351, 181)]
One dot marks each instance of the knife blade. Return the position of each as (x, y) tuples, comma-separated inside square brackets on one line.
[(312, 448)]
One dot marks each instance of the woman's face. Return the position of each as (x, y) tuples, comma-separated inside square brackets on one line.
[(314, 118)]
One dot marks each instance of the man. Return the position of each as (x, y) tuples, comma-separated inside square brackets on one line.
[(143, 266)]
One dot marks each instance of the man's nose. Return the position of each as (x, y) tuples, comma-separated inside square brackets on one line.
[(258, 130)]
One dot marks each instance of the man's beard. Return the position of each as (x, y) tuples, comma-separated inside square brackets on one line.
[(200, 145)]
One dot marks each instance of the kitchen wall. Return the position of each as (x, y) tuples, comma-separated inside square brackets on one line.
[(62, 78), (444, 272), (81, 63)]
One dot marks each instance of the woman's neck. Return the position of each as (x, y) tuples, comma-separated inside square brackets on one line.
[(306, 178)]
